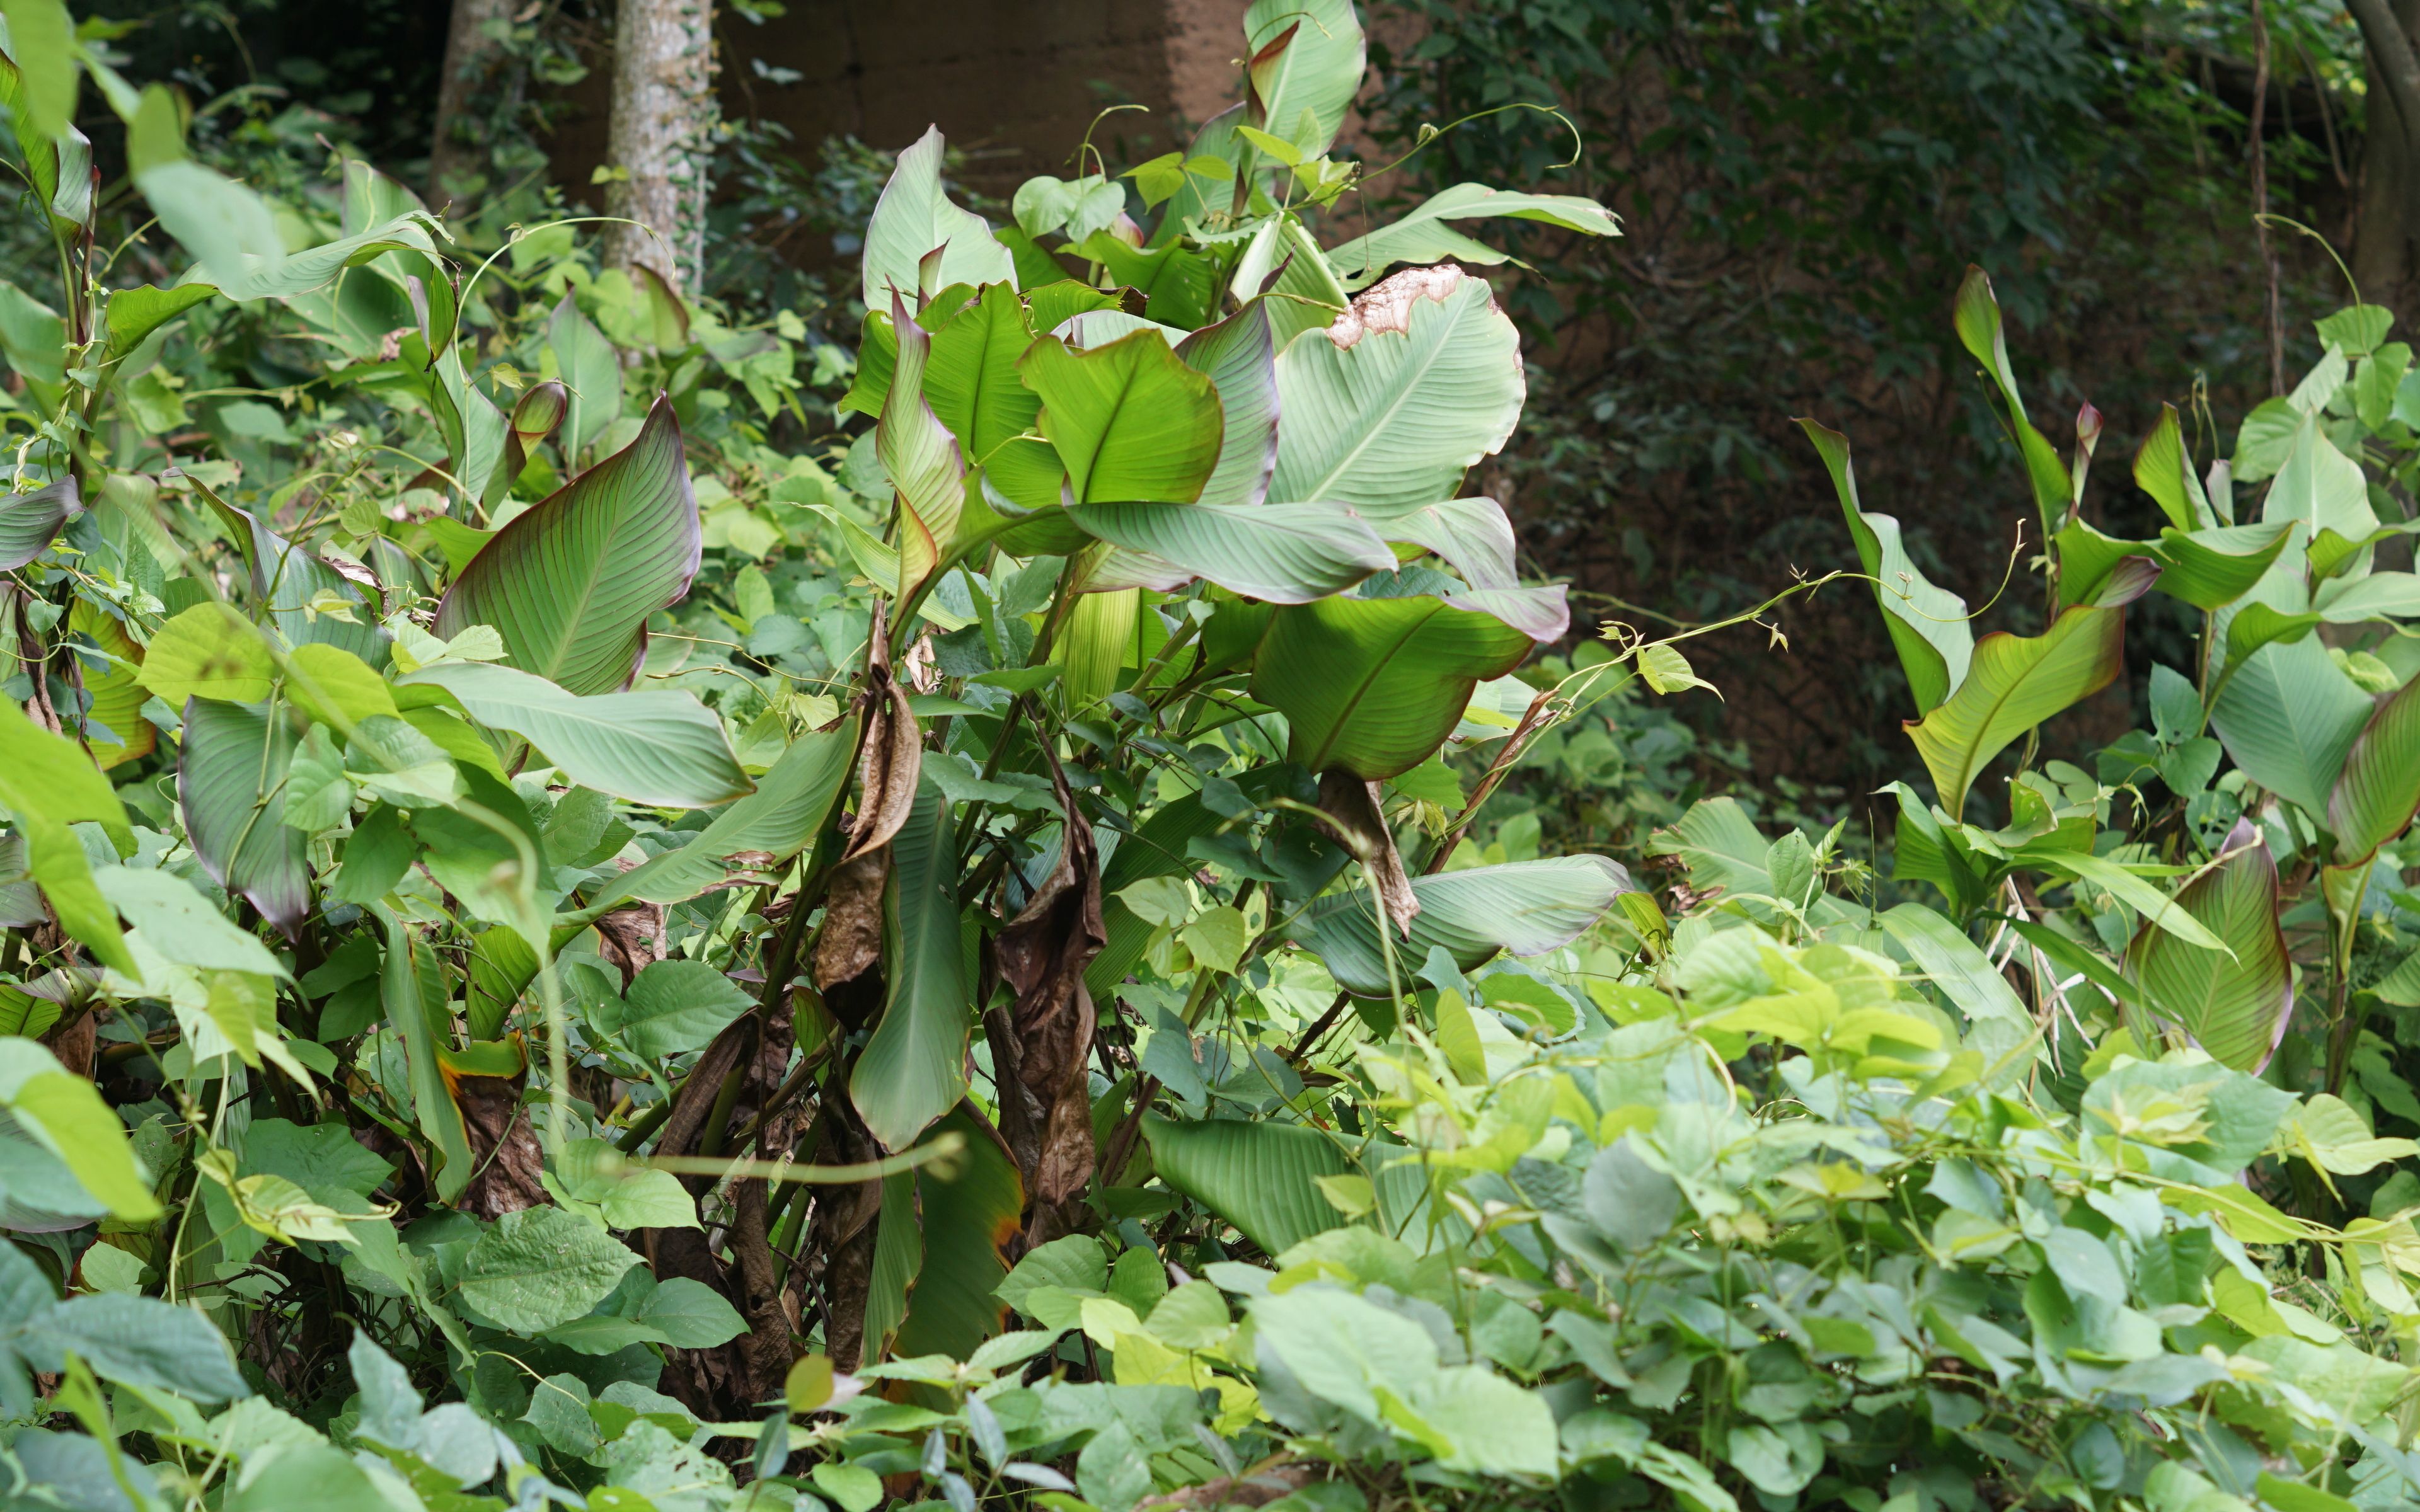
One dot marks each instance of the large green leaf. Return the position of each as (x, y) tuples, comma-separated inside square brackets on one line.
[(2288, 716), (296, 587), (412, 989), (540, 1267), (2235, 1009), (2380, 789), (967, 1216), (48, 783), (64, 1113), (2163, 469), (1976, 317), (1526, 907), (569, 584), (1130, 420), (1376, 684), (1262, 1177), (231, 785), (591, 370), (660, 748), (914, 1070), (970, 373), (1928, 624), (1393, 403), (778, 819), (1305, 67), (1282, 262), (1279, 553), (914, 219), (2320, 487), (2207, 568), (29, 522), (1954, 964), (919, 457), (1723, 850), (2014, 684), (1240, 355), (1422, 235)]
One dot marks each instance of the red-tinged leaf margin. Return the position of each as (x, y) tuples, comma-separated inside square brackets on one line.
[(2236, 1010)]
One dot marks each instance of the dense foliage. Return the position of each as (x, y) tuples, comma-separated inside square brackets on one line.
[(609, 904)]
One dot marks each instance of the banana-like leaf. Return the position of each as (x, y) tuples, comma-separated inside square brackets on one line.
[(48, 783), (2207, 568), (1262, 1177), (1954, 964), (1928, 624), (760, 831), (2380, 789), (1279, 553), (2235, 1009), (1306, 63), (1240, 355), (966, 1218), (298, 587), (2162, 470), (411, 988), (1526, 907), (1376, 684), (118, 696), (1422, 235), (591, 369), (970, 373), (2320, 487), (2014, 684), (1130, 420), (661, 748), (914, 219), (2372, 595), (1283, 262), (569, 584), (919, 456), (231, 784), (29, 522), (2289, 716), (1390, 405), (914, 1070), (1976, 317)]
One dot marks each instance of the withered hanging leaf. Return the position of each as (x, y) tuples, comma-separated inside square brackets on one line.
[(1040, 1044), (1354, 807), (888, 763)]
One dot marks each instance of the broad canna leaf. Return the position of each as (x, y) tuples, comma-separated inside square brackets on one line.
[(780, 819), (661, 747), (970, 373), (2235, 1009), (1526, 907), (2320, 487), (231, 785), (2289, 716), (2014, 684), (914, 1070), (1279, 553), (1390, 405), (2163, 470), (300, 588), (2207, 568), (591, 371), (967, 1217), (1976, 317), (1422, 235), (1928, 624), (1262, 1177), (919, 457), (1239, 354), (1376, 684), (117, 695), (47, 783), (2379, 791), (412, 989), (1283, 263), (569, 584), (914, 219), (29, 522), (1129, 419), (1305, 68)]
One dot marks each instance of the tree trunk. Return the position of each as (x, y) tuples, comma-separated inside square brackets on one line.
[(454, 146), (662, 136), (2387, 242)]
